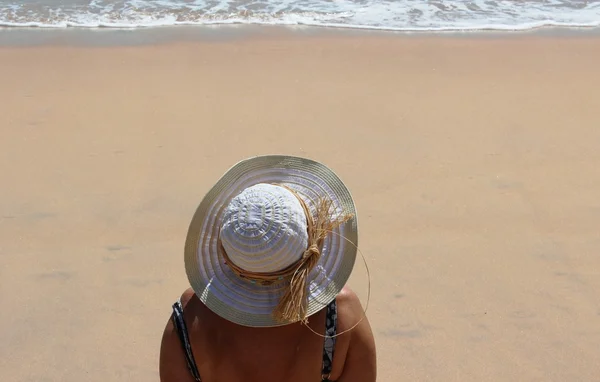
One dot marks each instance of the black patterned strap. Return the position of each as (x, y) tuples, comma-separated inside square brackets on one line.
[(329, 344), (185, 340)]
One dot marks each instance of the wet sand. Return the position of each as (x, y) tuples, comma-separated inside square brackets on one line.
[(474, 163)]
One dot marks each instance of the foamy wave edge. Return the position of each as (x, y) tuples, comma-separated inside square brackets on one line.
[(169, 23)]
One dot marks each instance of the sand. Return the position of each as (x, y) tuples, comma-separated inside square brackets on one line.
[(474, 163)]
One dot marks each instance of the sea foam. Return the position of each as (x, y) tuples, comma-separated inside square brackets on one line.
[(399, 15)]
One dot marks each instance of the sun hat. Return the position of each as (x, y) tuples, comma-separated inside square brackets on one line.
[(272, 242)]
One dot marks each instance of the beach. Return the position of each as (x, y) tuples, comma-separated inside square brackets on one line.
[(474, 163)]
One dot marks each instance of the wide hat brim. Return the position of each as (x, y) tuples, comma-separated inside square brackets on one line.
[(238, 300)]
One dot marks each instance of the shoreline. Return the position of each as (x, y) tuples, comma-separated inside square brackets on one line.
[(72, 36)]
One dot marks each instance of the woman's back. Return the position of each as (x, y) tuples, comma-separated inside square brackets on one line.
[(227, 352), (267, 254)]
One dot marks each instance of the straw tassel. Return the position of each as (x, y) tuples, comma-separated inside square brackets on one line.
[(294, 303)]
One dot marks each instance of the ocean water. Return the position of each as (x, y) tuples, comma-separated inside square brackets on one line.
[(402, 15)]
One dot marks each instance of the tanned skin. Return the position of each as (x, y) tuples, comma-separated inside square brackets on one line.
[(227, 352)]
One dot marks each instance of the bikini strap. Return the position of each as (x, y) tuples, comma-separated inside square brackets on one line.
[(329, 344), (185, 341)]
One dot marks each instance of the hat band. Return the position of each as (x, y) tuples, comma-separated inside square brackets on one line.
[(293, 304)]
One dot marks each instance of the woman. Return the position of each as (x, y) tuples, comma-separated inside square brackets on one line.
[(267, 255)]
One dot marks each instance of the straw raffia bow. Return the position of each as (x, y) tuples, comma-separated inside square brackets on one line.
[(294, 303)]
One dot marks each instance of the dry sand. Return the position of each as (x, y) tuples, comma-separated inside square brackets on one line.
[(474, 162)]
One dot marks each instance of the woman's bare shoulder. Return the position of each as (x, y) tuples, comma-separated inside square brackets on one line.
[(187, 295), (360, 360), (172, 366), (348, 297), (350, 309)]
